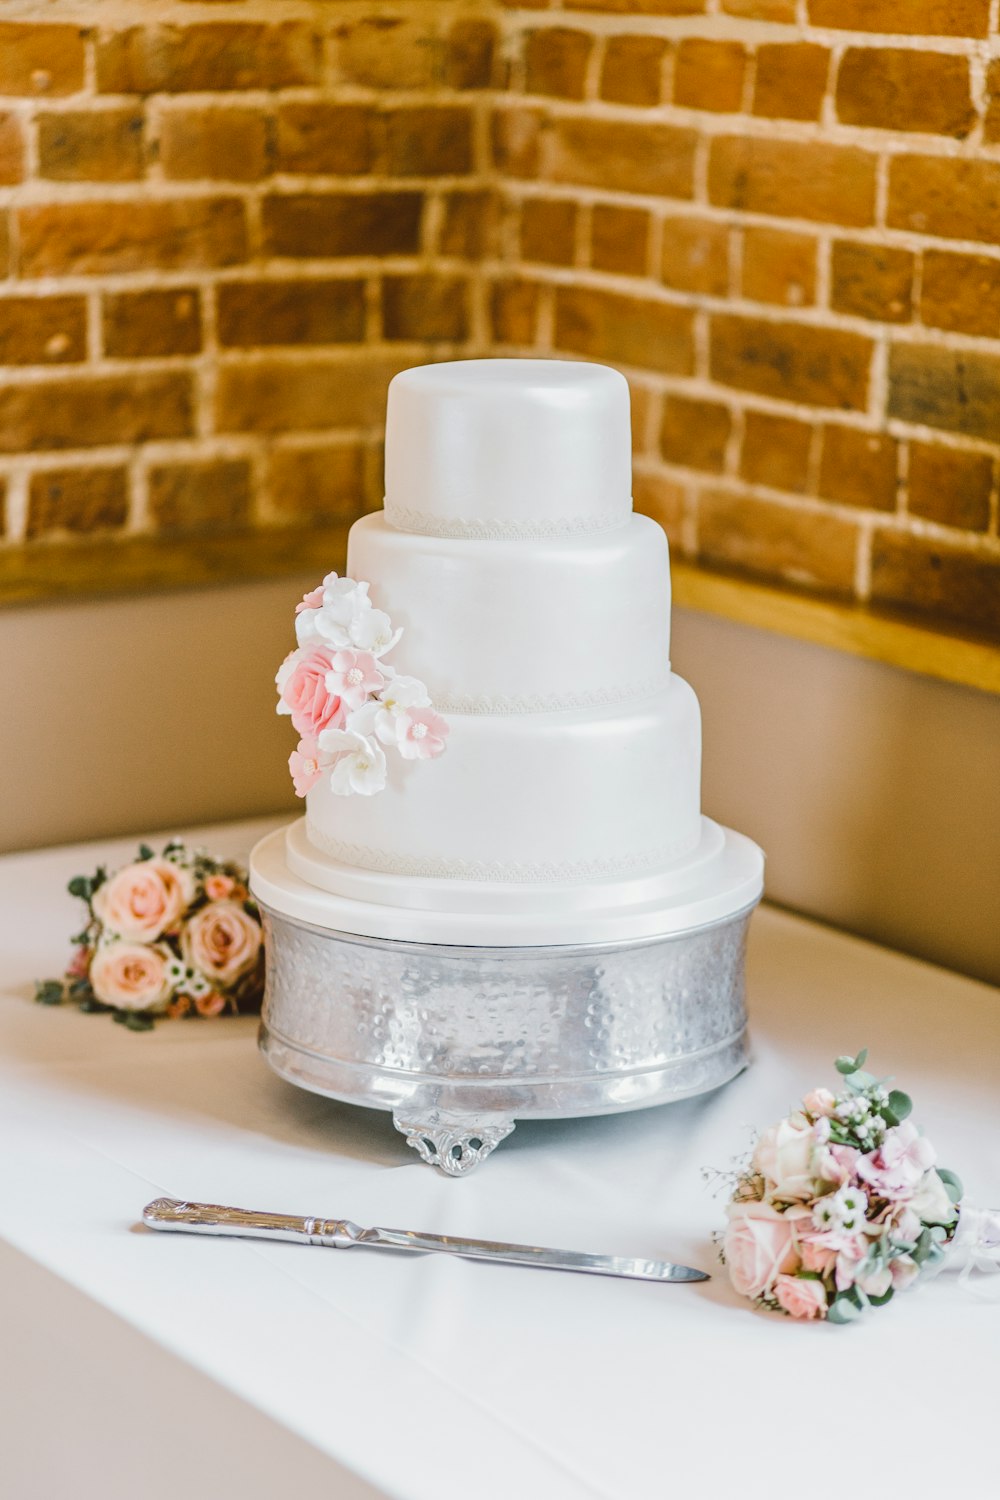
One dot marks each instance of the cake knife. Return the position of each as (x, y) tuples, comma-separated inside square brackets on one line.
[(341, 1234)]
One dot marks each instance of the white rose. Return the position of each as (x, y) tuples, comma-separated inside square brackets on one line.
[(932, 1201), (784, 1156)]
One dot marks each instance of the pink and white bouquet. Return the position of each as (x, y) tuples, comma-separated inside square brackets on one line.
[(345, 701), (841, 1206), (174, 934)]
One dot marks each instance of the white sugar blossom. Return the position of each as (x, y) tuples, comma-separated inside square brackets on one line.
[(399, 693), (360, 764), (344, 602), (371, 630)]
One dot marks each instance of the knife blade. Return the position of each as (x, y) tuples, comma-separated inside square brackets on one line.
[(341, 1234)]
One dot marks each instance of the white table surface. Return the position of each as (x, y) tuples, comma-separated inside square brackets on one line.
[(437, 1379)]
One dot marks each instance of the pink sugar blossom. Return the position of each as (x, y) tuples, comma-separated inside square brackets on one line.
[(354, 676), (305, 694), (801, 1296), (312, 600), (420, 734), (306, 768)]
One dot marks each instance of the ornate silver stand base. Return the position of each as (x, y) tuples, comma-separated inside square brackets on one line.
[(460, 1042)]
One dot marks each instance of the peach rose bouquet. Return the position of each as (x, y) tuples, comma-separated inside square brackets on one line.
[(171, 934), (841, 1205)]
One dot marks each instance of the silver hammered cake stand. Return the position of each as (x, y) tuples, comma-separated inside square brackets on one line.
[(459, 1040)]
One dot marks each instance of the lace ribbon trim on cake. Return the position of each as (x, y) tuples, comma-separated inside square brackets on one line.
[(513, 872), (545, 703), (499, 530)]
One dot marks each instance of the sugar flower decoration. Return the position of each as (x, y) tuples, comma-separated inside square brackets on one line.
[(345, 700), (843, 1204)]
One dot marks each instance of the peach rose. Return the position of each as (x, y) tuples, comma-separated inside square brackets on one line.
[(218, 887), (221, 941), (144, 899), (800, 1296), (131, 976), (212, 1004), (819, 1102), (759, 1245), (784, 1155)]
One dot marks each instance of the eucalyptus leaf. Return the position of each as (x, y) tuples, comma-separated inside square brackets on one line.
[(845, 1065), (901, 1104), (881, 1301), (861, 1058), (145, 852), (80, 886), (952, 1182), (843, 1310), (49, 992)]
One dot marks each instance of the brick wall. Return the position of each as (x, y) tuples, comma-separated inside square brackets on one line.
[(229, 225)]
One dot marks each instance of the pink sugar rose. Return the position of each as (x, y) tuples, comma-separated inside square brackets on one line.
[(131, 976), (144, 899), (312, 600), (759, 1245), (801, 1296), (218, 887), (304, 693), (305, 766), (221, 941), (355, 676), (421, 734)]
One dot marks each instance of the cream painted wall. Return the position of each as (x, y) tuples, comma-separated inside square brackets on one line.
[(875, 792)]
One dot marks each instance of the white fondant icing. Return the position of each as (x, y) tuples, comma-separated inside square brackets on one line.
[(524, 627), (499, 443)]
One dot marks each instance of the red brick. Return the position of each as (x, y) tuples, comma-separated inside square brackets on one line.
[(277, 395), (92, 411), (333, 224), (950, 388), (11, 148), (325, 484), (762, 10), (955, 197), (42, 330), (793, 179), (620, 155), (144, 324), (632, 71), (991, 119), (872, 281), (644, 7), (795, 362), (255, 314), (913, 18), (651, 335), (227, 145), (775, 451), (663, 500), (98, 238), (950, 485), (516, 141), (548, 230), (946, 582), (709, 75), (96, 145), (555, 62), (696, 256), (391, 52), (961, 293), (782, 542), (4, 242), (76, 500), (211, 495), (779, 266), (695, 433), (469, 60), (514, 312), (619, 239), (859, 468), (894, 88), (428, 141), (790, 81), (207, 58), (323, 137), (425, 307), (43, 59), (469, 224)]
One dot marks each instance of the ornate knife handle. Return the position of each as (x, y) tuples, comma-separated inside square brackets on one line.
[(213, 1218)]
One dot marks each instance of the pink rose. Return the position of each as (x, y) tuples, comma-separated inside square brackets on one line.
[(816, 1256), (79, 965), (903, 1271), (303, 691), (836, 1164), (759, 1245), (819, 1102), (221, 941), (219, 887), (130, 976), (211, 1004), (420, 734), (179, 1006), (144, 899), (355, 676), (305, 766), (784, 1155), (312, 600), (801, 1296)]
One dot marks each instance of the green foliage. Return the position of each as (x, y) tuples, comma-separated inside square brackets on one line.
[(145, 852), (900, 1104), (49, 992), (952, 1182), (134, 1020), (843, 1309), (82, 886)]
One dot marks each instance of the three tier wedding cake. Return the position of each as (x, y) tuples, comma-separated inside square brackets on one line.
[(493, 747)]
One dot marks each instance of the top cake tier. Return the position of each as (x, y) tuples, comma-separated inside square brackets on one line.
[(508, 448)]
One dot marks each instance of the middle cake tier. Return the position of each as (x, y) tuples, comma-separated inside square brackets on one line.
[(523, 626), (579, 795)]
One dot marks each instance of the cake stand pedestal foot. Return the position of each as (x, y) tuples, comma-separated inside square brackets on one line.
[(454, 1143)]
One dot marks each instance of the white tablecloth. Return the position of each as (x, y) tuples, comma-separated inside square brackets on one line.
[(436, 1379)]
